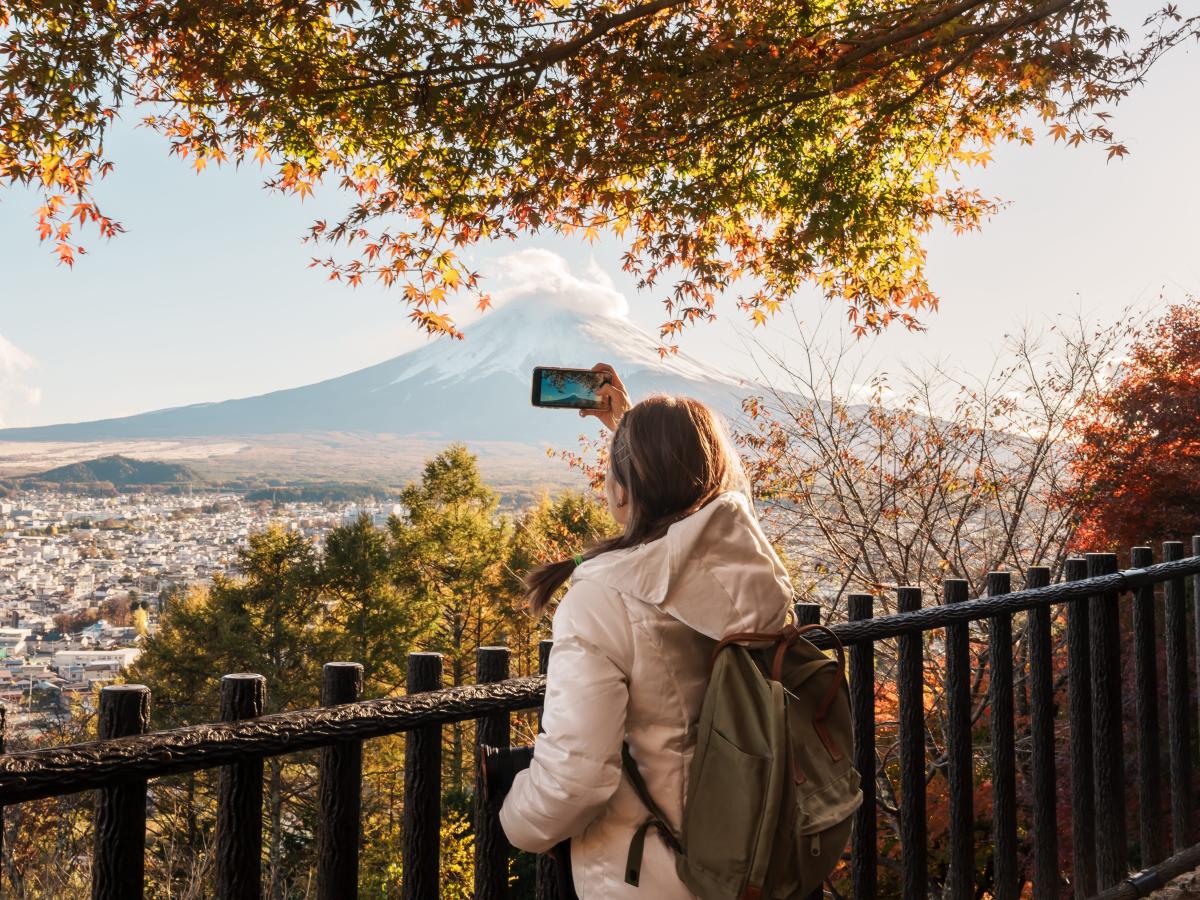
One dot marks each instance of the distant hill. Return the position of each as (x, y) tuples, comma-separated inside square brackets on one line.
[(119, 471)]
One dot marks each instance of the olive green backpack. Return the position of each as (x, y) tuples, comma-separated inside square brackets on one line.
[(772, 793)]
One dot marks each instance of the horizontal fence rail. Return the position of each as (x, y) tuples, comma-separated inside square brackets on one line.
[(34, 774), (119, 765)]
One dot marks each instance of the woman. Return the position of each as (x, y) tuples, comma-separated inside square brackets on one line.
[(632, 639)]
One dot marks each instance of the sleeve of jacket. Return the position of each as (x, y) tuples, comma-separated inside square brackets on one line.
[(576, 764)]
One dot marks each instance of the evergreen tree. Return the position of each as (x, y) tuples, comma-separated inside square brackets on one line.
[(370, 619), (178, 661), (450, 550)]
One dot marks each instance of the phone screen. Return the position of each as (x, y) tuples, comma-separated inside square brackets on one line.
[(567, 388)]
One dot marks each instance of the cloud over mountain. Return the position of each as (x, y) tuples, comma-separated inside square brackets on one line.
[(544, 274)]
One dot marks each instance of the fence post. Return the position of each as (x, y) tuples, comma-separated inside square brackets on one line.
[(911, 677), (239, 798), (546, 879), (119, 862), (864, 853), (1041, 710), (1108, 759), (339, 792), (807, 613), (422, 788), (1079, 698), (960, 879), (1146, 687), (1178, 727), (1196, 613), (1003, 736), (491, 846)]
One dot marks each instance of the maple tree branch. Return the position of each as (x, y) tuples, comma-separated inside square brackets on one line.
[(554, 52)]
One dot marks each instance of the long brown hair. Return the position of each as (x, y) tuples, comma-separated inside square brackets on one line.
[(671, 456)]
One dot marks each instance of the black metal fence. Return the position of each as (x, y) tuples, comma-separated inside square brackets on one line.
[(1106, 845)]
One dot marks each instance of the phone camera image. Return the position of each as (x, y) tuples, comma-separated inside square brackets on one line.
[(568, 388)]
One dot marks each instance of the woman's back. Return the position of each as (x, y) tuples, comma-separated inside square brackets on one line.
[(633, 638)]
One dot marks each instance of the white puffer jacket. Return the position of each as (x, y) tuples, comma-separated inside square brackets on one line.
[(632, 639)]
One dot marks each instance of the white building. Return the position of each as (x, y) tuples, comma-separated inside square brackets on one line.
[(72, 664), (12, 642)]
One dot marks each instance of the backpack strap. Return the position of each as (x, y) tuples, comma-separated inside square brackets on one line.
[(836, 685), (746, 637), (790, 635), (657, 821), (633, 862)]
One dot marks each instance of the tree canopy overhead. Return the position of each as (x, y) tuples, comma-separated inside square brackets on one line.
[(748, 147)]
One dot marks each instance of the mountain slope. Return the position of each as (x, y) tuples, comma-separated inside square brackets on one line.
[(474, 389)]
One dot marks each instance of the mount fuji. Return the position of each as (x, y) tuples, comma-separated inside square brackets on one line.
[(476, 389)]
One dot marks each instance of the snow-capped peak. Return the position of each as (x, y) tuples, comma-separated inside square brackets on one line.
[(542, 330), (546, 315)]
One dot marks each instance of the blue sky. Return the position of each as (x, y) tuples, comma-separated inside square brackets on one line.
[(208, 295)]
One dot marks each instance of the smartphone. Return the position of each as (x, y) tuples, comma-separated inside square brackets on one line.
[(568, 388)]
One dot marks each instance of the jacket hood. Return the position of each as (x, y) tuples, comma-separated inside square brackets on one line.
[(714, 571)]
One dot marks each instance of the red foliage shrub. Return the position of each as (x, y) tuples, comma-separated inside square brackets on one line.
[(1139, 457)]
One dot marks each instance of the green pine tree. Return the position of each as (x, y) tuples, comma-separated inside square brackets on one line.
[(450, 551), (371, 619)]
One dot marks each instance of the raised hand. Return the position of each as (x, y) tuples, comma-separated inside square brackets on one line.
[(614, 393)]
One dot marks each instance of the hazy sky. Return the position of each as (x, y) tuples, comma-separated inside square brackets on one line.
[(207, 296)]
